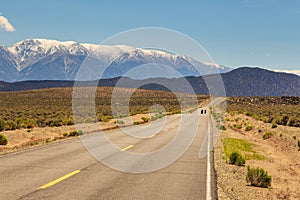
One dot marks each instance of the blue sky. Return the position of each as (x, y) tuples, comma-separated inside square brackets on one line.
[(263, 33)]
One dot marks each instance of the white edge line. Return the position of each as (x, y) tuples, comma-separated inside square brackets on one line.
[(208, 172)]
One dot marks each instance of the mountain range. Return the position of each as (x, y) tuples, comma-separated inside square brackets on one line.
[(243, 81), (40, 63), (41, 59)]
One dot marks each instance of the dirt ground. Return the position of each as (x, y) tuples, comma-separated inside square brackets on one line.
[(27, 138), (282, 163)]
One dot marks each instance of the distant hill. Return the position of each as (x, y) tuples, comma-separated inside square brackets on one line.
[(243, 81)]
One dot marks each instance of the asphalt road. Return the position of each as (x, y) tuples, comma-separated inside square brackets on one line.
[(23, 173)]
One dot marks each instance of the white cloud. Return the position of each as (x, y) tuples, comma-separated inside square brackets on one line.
[(5, 25), (297, 72)]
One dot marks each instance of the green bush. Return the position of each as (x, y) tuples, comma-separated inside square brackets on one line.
[(274, 125), (267, 135), (299, 144), (222, 127), (10, 125), (106, 118), (236, 158), (3, 140), (136, 123), (248, 128), (145, 119), (238, 126), (258, 177), (80, 132), (119, 122), (73, 133), (65, 134), (259, 130), (2, 124)]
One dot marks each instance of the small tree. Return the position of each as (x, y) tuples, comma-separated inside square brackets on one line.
[(258, 177)]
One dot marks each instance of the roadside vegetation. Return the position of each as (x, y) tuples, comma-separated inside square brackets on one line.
[(53, 107), (258, 177), (239, 149), (276, 110), (3, 140), (259, 148)]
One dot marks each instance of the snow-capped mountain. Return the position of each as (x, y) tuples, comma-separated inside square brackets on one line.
[(8, 66), (41, 59)]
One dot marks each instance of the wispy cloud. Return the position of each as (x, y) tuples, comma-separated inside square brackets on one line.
[(5, 25)]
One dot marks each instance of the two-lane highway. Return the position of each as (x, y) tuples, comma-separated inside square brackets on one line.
[(66, 170)]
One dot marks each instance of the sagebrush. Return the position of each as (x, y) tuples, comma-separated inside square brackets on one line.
[(258, 177)]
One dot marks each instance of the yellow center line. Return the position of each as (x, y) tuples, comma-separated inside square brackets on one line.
[(59, 180), (126, 148)]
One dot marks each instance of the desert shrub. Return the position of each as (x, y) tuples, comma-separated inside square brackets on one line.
[(275, 110), (248, 128), (54, 122), (89, 120), (222, 127), (65, 134), (258, 177), (153, 118), (267, 135), (10, 125), (236, 158), (26, 123), (299, 144), (119, 122), (145, 119), (157, 116), (73, 133), (2, 124), (67, 122), (3, 140), (238, 126), (176, 112), (106, 118), (136, 123), (274, 125), (259, 130), (294, 121), (80, 132)]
